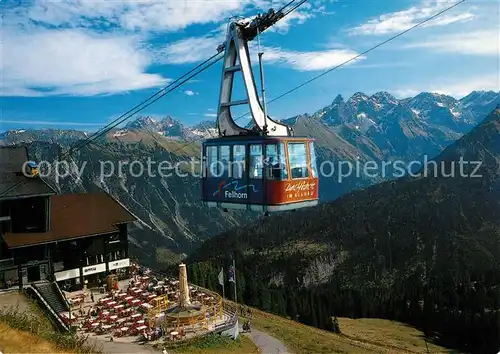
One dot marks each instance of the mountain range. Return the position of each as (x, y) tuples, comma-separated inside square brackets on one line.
[(359, 115), (362, 128)]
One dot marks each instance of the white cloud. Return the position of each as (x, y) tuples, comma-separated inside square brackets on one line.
[(73, 62), (401, 20), (210, 115), (11, 91), (457, 89), (148, 15), (80, 47), (310, 61), (299, 16), (181, 52), (143, 15), (190, 92), (473, 43), (189, 50)]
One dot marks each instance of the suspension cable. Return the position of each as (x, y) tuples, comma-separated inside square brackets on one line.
[(340, 65), (360, 54)]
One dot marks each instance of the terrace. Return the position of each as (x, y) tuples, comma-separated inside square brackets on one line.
[(142, 309)]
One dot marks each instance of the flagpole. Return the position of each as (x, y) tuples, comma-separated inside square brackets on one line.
[(223, 292), (221, 282), (234, 277)]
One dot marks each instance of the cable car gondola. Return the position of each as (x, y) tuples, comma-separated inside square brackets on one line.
[(266, 168)]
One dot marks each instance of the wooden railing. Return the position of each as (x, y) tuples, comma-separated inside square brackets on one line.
[(226, 307)]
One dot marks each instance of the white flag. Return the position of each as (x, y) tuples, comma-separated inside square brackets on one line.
[(230, 274), (221, 277)]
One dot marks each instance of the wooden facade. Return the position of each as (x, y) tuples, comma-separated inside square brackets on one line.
[(73, 238)]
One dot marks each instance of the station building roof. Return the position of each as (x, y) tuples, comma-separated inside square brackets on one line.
[(75, 216), (13, 183)]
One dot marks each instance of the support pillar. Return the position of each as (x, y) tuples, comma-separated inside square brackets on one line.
[(105, 255)]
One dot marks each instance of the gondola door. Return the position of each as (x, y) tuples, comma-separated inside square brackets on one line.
[(255, 185), (239, 175)]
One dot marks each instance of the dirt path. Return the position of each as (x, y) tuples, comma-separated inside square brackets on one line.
[(266, 343), (13, 300)]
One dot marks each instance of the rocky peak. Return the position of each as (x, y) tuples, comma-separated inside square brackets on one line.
[(338, 100), (384, 97), (358, 97), (143, 122)]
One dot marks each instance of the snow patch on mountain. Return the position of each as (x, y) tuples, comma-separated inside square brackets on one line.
[(120, 133)]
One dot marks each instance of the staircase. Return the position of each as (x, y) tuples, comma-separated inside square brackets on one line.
[(52, 298), (230, 323), (52, 294)]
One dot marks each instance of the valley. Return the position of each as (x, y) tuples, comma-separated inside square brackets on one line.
[(377, 246), (363, 129)]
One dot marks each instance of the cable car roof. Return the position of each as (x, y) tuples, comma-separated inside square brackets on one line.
[(254, 138)]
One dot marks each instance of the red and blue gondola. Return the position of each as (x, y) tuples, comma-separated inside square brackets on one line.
[(259, 173)]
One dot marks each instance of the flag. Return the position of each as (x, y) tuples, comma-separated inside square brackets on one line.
[(230, 274), (221, 277)]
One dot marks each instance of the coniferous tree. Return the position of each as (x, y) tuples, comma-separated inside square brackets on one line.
[(265, 298)]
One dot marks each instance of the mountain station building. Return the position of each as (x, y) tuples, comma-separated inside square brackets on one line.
[(72, 239)]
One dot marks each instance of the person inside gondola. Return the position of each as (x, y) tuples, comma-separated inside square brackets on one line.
[(273, 167), (238, 168), (225, 173), (276, 168), (256, 167)]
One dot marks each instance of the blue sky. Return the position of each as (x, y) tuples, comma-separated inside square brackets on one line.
[(80, 64)]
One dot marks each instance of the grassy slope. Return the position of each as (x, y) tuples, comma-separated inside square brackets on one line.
[(390, 334), (17, 341), (25, 328), (215, 345), (358, 336)]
